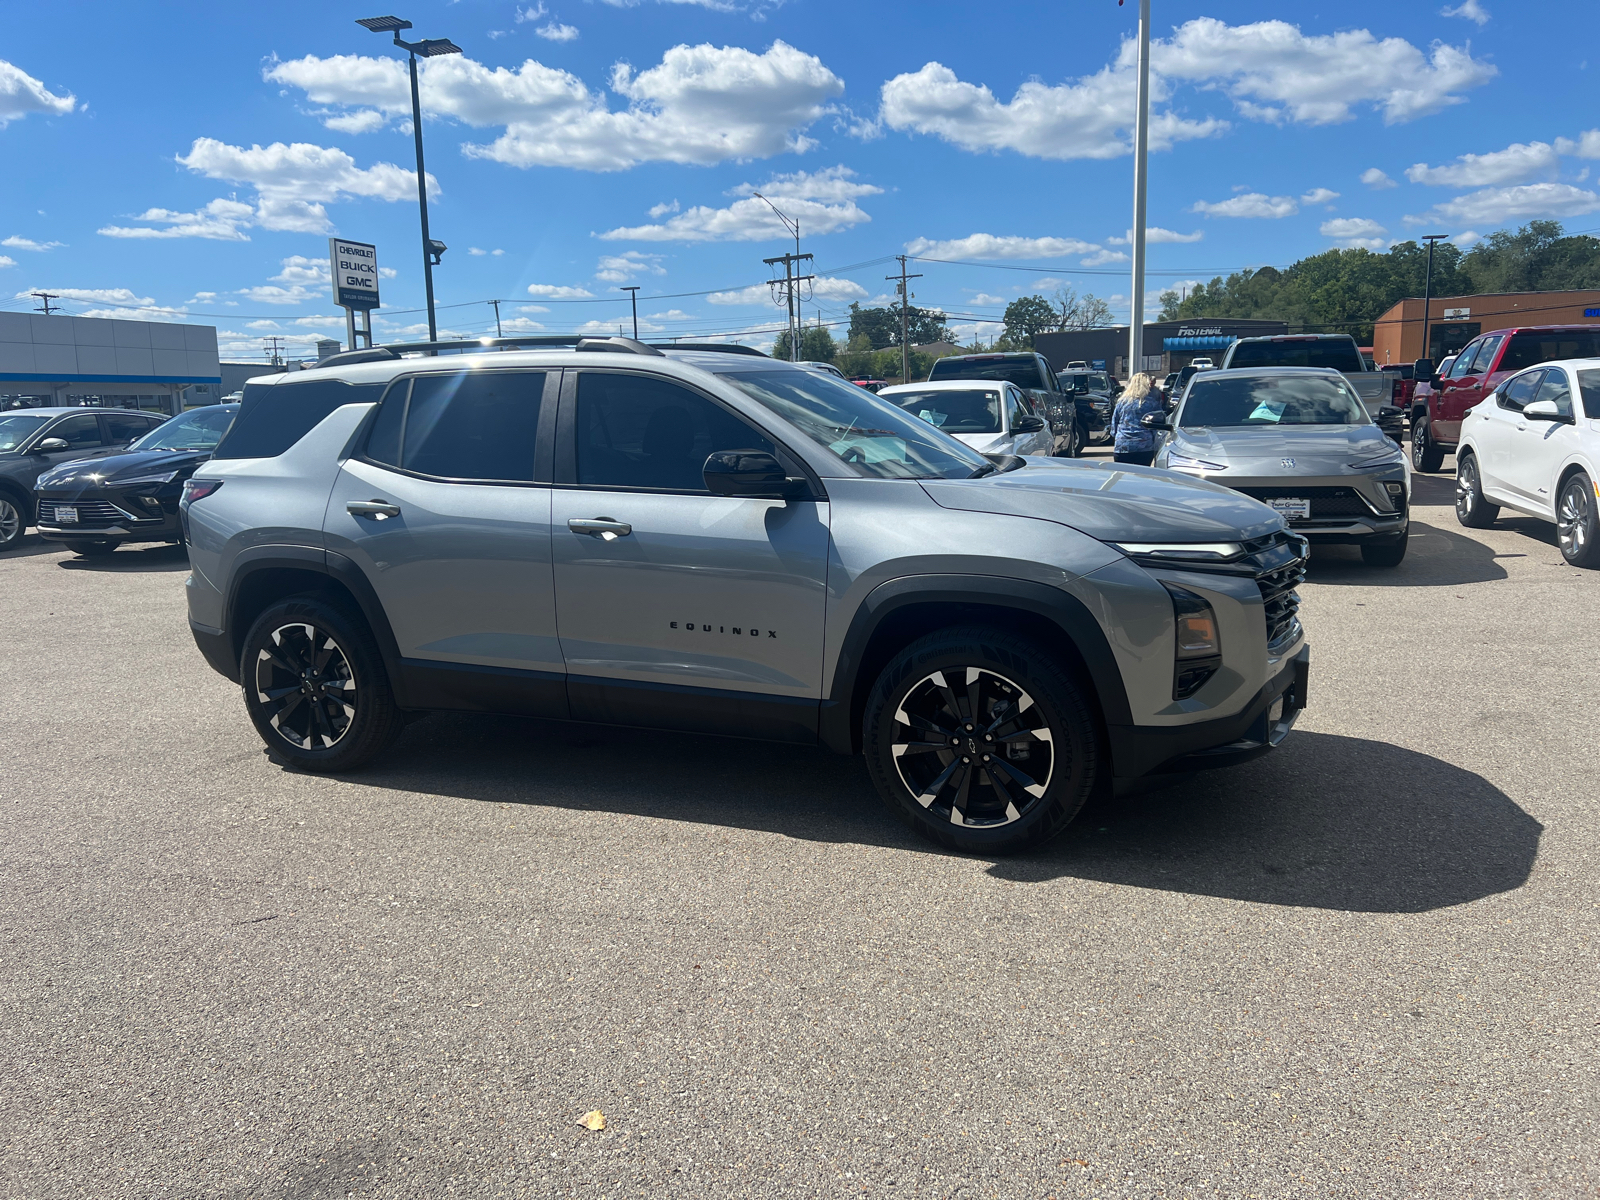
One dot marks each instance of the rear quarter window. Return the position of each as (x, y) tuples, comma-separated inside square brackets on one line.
[(1532, 347), (273, 417)]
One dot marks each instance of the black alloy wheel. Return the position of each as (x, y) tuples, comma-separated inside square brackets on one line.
[(1472, 509), (981, 740), (1426, 454), (11, 522), (315, 687), (1578, 522)]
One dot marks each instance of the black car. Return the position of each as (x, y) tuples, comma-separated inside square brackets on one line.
[(94, 505), (1101, 392)]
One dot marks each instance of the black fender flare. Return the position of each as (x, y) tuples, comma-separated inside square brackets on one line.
[(837, 723)]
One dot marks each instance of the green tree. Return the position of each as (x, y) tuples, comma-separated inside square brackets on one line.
[(881, 326), (1026, 316), (816, 345)]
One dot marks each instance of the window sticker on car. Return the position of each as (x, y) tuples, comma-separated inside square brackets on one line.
[(931, 417), (1268, 410)]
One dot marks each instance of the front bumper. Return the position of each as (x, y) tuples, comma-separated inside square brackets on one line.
[(1138, 750), (108, 517)]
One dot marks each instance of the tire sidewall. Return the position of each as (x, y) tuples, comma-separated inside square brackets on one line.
[(1056, 696), (1590, 557)]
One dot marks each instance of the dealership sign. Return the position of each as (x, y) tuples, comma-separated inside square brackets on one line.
[(355, 273)]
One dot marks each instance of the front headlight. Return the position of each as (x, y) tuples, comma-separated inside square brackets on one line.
[(1184, 462), (167, 477), (1394, 458)]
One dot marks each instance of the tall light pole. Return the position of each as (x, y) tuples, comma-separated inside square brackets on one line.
[(633, 296), (793, 226), (432, 251), (1141, 154), (1427, 289)]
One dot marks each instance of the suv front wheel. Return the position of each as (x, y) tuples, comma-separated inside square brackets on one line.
[(315, 687), (981, 740)]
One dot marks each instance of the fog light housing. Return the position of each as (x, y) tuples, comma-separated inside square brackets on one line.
[(1197, 652), (1396, 489)]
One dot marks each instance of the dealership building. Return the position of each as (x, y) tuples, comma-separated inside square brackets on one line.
[(132, 364), (1168, 345), (1453, 321)]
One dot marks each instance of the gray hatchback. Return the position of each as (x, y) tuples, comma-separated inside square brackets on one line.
[(716, 542)]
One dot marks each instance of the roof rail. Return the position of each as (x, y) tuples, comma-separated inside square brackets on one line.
[(617, 345), (715, 347), (348, 358)]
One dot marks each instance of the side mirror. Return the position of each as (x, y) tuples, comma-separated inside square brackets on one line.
[(52, 446), (1155, 421), (1027, 425), (1543, 410), (1389, 410), (752, 474), (1422, 370)]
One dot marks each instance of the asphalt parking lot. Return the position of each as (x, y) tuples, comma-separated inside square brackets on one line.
[(1364, 966)]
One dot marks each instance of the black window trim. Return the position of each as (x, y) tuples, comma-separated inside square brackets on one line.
[(565, 474), (542, 436)]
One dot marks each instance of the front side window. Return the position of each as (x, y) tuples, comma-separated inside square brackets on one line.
[(1018, 409), (975, 411), (1229, 401), (1486, 352), (80, 433), (1588, 384), (16, 428), (872, 435), (1520, 390), (647, 432), (198, 429), (1556, 389), (477, 426), (1463, 364)]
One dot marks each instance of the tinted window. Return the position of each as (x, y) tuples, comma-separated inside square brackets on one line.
[(481, 425), (1531, 348), (1486, 352), (124, 427), (858, 428), (1017, 408), (1337, 353), (198, 429), (81, 433), (1589, 385), (1464, 362), (977, 411), (1222, 399), (273, 417), (1024, 372), (643, 431), (1520, 390), (1556, 389), (14, 428)]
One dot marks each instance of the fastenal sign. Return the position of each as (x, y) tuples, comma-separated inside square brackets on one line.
[(355, 273)]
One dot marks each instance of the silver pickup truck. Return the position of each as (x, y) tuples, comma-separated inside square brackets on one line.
[(1337, 351)]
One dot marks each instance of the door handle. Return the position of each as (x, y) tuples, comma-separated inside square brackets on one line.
[(378, 510), (603, 528)]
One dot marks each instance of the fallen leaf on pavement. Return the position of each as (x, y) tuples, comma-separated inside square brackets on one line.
[(593, 1120)]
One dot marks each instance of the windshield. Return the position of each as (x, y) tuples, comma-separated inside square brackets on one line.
[(870, 434), (200, 429), (977, 411), (15, 428), (1024, 372), (1223, 400), (1338, 353)]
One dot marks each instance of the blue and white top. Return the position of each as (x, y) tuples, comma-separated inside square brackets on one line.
[(1129, 436)]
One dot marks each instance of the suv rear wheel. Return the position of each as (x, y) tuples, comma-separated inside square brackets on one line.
[(315, 687), (1578, 523), (981, 740)]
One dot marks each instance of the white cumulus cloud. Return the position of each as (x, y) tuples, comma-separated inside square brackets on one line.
[(222, 220), (1250, 204), (1355, 232), (1502, 205), (1376, 179), (1470, 10), (619, 268), (989, 245), (1319, 195), (553, 291), (22, 243), (1587, 144), (555, 31), (700, 104), (1155, 235), (480, 252), (363, 120), (825, 288), (1517, 163), (21, 94), (120, 297), (822, 201)]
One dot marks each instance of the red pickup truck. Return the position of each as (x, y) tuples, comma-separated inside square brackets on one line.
[(1441, 400)]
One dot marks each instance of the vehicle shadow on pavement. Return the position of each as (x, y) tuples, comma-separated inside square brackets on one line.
[(154, 556), (1323, 822), (1435, 557), (30, 546)]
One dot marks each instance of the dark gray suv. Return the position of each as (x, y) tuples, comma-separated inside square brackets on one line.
[(722, 543)]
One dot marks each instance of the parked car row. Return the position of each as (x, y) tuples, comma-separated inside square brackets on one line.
[(1071, 415)]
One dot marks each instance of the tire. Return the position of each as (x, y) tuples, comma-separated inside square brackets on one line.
[(1578, 522), (92, 549), (1472, 510), (1426, 454), (1387, 553), (922, 699), (293, 712), (13, 520)]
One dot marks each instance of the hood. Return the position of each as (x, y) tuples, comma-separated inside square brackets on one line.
[(1332, 448), (982, 442), (1113, 502), (110, 469)]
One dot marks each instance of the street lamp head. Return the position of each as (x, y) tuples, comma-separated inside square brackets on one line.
[(384, 24), (434, 47), (436, 250)]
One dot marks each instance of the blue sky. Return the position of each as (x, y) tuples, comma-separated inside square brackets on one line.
[(188, 161)]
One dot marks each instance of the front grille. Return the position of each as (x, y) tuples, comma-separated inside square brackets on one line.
[(90, 512), (1278, 562), (1326, 502)]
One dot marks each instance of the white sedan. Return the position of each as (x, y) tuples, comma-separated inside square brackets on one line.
[(991, 416), (1533, 444)]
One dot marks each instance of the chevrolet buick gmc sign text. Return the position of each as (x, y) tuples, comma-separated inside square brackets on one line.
[(355, 273)]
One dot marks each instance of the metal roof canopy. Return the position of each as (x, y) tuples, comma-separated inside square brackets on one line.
[(1206, 342)]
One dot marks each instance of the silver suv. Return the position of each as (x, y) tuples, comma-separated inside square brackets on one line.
[(722, 543)]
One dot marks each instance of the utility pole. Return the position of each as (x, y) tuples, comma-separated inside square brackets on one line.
[(1141, 155), (272, 350), (1427, 290), (497, 330), (49, 296), (790, 283), (633, 297), (905, 317)]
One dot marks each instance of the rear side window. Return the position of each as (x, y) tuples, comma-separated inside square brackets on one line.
[(1532, 347), (1589, 385), (125, 427), (479, 426), (273, 417)]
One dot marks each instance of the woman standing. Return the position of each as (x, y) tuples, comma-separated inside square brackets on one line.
[(1131, 441)]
